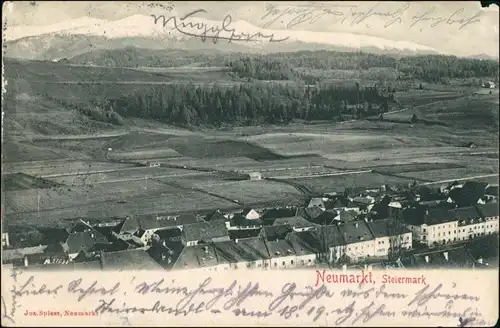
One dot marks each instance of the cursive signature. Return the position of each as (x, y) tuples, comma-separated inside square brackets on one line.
[(452, 19), (353, 15), (205, 32)]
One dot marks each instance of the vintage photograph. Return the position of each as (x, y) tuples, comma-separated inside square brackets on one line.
[(217, 136), (153, 141)]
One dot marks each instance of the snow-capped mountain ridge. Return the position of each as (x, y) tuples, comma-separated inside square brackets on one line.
[(144, 26)]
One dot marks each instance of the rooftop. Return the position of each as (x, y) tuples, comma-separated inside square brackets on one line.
[(136, 259), (196, 256), (458, 257), (19, 253), (204, 230), (355, 232), (245, 250), (384, 228), (297, 222), (465, 213), (431, 216), (280, 248), (276, 232), (488, 210)]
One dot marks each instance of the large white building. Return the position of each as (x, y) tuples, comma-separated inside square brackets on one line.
[(436, 226)]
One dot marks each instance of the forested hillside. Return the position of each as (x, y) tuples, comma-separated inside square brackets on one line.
[(254, 103), (305, 64)]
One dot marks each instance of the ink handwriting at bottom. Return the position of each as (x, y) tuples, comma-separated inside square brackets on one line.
[(5, 313)]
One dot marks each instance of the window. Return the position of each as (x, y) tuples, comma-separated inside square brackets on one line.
[(283, 263), (309, 260), (454, 231), (275, 264), (424, 230), (291, 262), (449, 232)]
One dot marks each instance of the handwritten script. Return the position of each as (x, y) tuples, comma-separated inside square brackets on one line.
[(127, 300), (190, 26), (294, 15)]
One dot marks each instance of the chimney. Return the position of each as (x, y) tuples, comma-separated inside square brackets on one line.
[(445, 254), (236, 240), (25, 261), (480, 260), (426, 211), (427, 258), (344, 268), (357, 225)]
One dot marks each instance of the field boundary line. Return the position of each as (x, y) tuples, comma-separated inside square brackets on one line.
[(461, 179)]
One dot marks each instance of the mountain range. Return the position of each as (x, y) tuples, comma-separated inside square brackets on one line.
[(71, 38)]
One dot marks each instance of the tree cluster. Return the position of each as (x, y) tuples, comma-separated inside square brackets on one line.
[(252, 103)]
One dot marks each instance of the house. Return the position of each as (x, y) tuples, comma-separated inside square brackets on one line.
[(365, 203), (469, 194), (326, 217), (250, 214), (470, 223), (298, 223), (489, 212), (20, 256), (492, 191), (133, 260), (235, 234), (200, 257), (345, 216), (360, 243), (275, 232), (456, 257), (489, 85), (204, 232), (255, 176), (128, 225), (282, 254), (215, 216), (431, 226), (306, 248), (73, 245), (310, 213), (272, 214), (238, 221), (245, 253), (317, 202), (389, 236), (325, 241)]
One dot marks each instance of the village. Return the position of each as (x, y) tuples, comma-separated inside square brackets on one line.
[(413, 227)]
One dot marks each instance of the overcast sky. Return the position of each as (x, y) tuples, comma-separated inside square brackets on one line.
[(481, 36)]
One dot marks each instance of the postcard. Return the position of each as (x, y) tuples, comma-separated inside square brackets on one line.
[(237, 163)]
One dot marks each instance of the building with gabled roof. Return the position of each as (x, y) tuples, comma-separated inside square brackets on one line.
[(275, 232), (453, 257), (204, 232), (359, 240), (298, 223), (133, 260), (245, 253), (389, 236), (431, 226)]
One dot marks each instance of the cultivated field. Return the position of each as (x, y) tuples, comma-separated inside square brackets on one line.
[(67, 170), (341, 182)]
